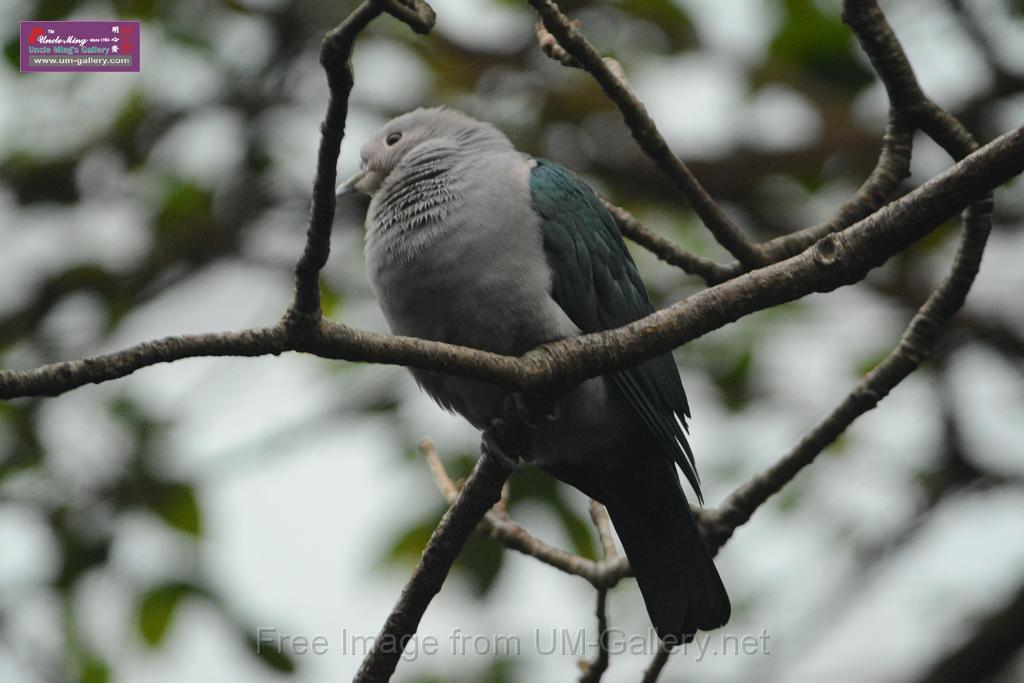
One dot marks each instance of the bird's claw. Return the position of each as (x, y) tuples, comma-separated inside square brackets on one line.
[(508, 436), (491, 443), (531, 415)]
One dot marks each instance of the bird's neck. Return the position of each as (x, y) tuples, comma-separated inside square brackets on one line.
[(417, 205), (417, 195)]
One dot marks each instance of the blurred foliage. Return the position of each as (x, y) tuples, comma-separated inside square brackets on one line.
[(481, 561), (156, 609), (270, 654), (498, 671), (819, 45), (83, 521), (94, 671), (193, 221)]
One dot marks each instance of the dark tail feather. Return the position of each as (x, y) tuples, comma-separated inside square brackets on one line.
[(677, 577)]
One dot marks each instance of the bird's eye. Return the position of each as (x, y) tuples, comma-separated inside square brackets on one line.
[(393, 138)]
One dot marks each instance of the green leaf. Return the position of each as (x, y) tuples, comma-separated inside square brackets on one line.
[(93, 670), (581, 532), (12, 52), (135, 9), (532, 484), (42, 178), (176, 504), (480, 560), (819, 44), (668, 17), (54, 9), (124, 133), (331, 300), (270, 655), (870, 362), (731, 368), (501, 670), (409, 545), (187, 209), (733, 380), (156, 610), (26, 450)]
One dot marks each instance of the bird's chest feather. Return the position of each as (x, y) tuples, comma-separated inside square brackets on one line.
[(472, 272), (468, 270)]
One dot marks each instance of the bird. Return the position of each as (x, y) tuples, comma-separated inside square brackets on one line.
[(470, 241)]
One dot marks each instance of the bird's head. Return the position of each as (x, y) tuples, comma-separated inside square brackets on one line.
[(417, 136)]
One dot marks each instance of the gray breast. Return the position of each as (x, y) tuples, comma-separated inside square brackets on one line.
[(454, 252)]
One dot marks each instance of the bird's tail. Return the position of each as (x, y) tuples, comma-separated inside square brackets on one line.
[(678, 580), (677, 577)]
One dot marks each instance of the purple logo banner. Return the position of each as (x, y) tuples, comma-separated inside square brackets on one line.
[(80, 45)]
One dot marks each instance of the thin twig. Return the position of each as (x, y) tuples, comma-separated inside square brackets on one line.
[(708, 270), (838, 259), (417, 14), (448, 488), (335, 52), (658, 663), (594, 671), (892, 167), (915, 345), (477, 496), (498, 526), (58, 378), (645, 131), (599, 516), (993, 644), (921, 335)]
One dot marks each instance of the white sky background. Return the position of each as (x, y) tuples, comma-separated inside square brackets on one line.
[(294, 525)]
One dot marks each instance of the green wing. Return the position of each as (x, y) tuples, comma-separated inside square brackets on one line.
[(598, 286)]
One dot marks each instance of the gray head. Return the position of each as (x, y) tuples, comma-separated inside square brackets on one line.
[(421, 136)]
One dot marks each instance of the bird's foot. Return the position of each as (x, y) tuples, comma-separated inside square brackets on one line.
[(529, 411), (508, 436), (499, 440)]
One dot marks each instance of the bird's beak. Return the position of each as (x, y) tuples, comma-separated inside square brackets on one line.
[(351, 186)]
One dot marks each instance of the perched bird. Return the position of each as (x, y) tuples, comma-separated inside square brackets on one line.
[(471, 242)]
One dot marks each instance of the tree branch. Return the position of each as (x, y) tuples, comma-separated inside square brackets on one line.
[(417, 14), (566, 44), (599, 516), (708, 270), (886, 54), (335, 51), (836, 260), (497, 525), (922, 334), (481, 491), (594, 671), (658, 663), (914, 346), (335, 54), (893, 166), (996, 641), (58, 378)]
